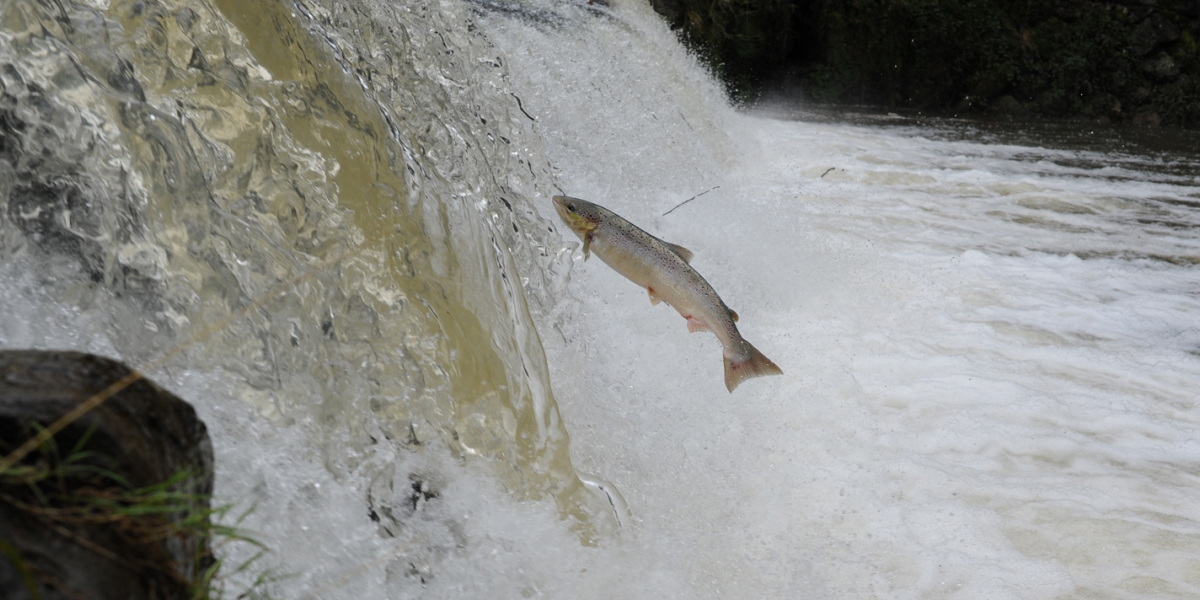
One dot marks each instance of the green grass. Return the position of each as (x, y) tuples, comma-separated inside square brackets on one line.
[(79, 489)]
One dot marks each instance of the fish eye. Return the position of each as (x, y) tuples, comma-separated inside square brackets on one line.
[(570, 208)]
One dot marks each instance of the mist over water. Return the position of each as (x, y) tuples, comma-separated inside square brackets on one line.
[(988, 331)]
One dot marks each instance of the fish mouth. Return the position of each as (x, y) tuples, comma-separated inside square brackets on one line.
[(560, 207), (575, 221)]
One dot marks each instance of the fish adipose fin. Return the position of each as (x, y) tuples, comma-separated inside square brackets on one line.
[(683, 253), (751, 364), (695, 325), (733, 315), (653, 299)]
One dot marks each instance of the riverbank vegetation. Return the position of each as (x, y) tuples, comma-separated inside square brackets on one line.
[(1131, 61), (141, 531)]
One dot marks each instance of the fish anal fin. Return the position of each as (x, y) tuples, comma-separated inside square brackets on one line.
[(683, 253), (695, 325), (654, 299), (733, 315)]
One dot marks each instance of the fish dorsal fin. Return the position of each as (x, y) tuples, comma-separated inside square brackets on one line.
[(683, 253), (733, 315)]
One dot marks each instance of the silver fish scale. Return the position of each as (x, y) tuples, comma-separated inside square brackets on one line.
[(625, 244)]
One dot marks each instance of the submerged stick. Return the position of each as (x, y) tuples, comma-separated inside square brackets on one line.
[(522, 107), (690, 199)]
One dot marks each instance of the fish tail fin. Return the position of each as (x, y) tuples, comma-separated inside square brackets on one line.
[(751, 363)]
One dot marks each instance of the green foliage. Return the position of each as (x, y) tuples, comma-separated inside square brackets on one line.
[(1056, 57), (741, 39), (931, 53), (1187, 45), (81, 490), (27, 577), (906, 53), (1070, 62)]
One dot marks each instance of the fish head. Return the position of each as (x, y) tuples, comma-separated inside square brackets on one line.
[(579, 215)]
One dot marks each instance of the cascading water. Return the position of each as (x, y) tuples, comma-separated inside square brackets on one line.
[(327, 225), (333, 203)]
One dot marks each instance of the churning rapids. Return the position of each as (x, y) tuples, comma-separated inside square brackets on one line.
[(328, 225)]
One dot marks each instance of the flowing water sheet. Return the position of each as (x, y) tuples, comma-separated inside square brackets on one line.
[(988, 333)]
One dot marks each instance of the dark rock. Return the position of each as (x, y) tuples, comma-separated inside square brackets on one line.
[(1161, 67), (1007, 104), (1147, 119), (1103, 105), (142, 435), (1149, 33), (671, 10), (1045, 102)]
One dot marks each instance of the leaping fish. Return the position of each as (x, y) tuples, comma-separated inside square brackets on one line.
[(662, 268)]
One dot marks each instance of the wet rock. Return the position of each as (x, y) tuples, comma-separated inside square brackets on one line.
[(1161, 67), (671, 10), (1119, 79), (1007, 104), (1045, 102), (1147, 119), (1103, 105), (76, 534), (1154, 30)]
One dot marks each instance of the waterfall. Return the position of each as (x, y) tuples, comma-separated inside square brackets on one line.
[(327, 224), (314, 220)]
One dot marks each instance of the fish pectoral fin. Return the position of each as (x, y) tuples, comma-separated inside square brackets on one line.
[(587, 245), (683, 253), (695, 325), (733, 315), (654, 299)]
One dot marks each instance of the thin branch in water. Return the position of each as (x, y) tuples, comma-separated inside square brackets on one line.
[(827, 172), (685, 121), (522, 107), (690, 199)]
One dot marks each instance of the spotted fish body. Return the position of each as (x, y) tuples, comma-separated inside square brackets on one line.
[(662, 269)]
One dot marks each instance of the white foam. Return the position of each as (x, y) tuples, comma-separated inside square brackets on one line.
[(965, 412), (989, 369)]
